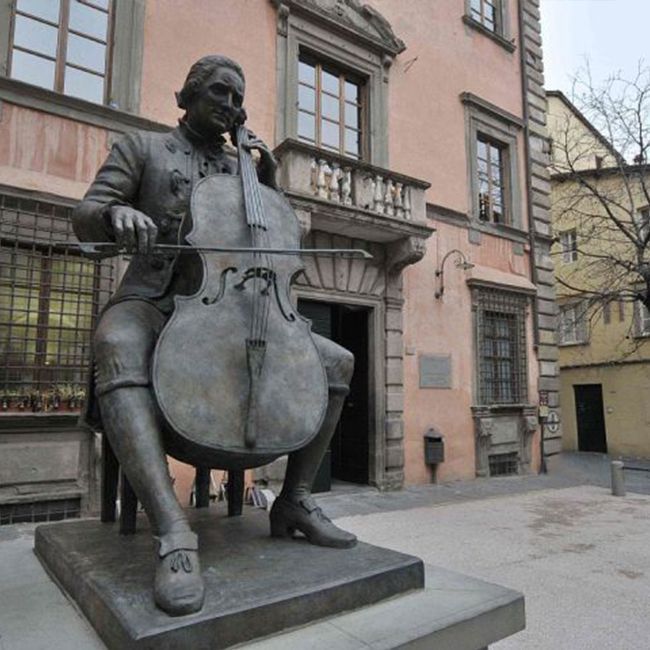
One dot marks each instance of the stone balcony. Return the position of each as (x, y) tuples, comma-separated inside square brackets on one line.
[(348, 197)]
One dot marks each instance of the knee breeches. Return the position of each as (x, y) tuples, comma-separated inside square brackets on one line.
[(124, 343)]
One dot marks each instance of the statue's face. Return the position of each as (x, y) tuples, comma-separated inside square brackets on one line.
[(216, 105)]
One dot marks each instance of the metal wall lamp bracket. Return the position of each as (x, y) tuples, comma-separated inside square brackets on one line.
[(462, 263)]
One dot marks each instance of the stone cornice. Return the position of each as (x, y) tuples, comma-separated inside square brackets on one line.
[(359, 22)]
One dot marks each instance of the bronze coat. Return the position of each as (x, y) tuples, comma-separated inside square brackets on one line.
[(154, 173)]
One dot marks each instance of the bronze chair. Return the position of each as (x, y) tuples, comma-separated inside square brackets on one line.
[(129, 502)]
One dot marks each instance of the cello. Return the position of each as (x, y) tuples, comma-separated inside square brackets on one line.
[(236, 373)]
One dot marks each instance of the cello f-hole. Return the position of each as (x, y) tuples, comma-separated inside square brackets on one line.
[(222, 287)]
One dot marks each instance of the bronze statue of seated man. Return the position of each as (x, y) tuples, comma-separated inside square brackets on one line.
[(139, 197)]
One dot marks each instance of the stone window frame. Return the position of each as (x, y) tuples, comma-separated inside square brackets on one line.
[(502, 35), (569, 245), (517, 301), (490, 121), (299, 34), (63, 60), (579, 322), (125, 70), (641, 317)]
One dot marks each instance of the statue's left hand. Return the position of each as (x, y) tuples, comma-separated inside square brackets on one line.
[(268, 164)]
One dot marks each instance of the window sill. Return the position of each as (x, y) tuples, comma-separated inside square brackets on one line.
[(570, 344), (497, 38), (73, 108), (13, 422), (502, 407), (500, 230)]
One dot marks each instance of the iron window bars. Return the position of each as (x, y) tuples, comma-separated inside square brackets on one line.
[(502, 372), (50, 298)]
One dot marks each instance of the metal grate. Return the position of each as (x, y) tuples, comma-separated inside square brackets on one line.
[(504, 464), (502, 347), (21, 513), (49, 300)]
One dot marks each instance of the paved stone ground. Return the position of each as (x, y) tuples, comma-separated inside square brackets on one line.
[(579, 555)]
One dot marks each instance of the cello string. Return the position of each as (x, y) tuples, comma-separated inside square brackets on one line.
[(245, 164), (262, 240)]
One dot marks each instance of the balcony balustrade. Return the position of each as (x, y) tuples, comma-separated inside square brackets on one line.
[(311, 172)]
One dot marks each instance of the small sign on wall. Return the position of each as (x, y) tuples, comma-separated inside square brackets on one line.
[(435, 370)]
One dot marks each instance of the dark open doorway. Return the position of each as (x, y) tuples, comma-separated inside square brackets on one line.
[(347, 325), (590, 418)]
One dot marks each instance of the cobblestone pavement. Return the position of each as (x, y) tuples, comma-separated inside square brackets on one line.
[(579, 555)]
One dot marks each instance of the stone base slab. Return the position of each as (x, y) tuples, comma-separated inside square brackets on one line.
[(255, 585), (453, 612)]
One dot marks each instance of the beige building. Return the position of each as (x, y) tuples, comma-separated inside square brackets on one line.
[(414, 129), (604, 350)]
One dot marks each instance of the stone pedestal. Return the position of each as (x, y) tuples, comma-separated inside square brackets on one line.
[(453, 612), (255, 585), (269, 594)]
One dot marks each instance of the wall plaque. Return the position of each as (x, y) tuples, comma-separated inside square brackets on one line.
[(435, 371)]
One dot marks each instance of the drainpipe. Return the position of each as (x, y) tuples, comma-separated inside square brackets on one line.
[(528, 165)]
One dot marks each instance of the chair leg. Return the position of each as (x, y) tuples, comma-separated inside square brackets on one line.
[(129, 508), (202, 487), (235, 492), (110, 474)]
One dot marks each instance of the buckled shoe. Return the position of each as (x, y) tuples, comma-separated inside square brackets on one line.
[(305, 516), (178, 585)]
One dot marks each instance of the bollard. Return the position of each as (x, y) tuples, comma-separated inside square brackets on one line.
[(618, 479)]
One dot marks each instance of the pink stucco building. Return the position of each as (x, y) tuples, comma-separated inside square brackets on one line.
[(414, 129)]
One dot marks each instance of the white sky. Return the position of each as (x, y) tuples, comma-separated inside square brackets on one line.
[(613, 34)]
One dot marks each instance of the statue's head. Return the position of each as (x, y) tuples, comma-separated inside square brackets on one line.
[(213, 95)]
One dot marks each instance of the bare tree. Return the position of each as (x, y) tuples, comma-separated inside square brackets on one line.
[(601, 188)]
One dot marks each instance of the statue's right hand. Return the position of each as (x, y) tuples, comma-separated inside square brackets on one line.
[(134, 230)]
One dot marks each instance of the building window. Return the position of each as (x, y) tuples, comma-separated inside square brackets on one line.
[(486, 12), (643, 223), (502, 347), (63, 45), (329, 108), (607, 312), (49, 299), (569, 244), (573, 324), (504, 464), (492, 150), (491, 167), (641, 319)]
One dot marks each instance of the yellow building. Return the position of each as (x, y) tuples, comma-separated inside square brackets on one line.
[(600, 221)]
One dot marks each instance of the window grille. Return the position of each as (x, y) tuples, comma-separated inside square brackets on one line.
[(50, 297), (504, 464), (22, 513), (502, 347), (63, 45), (329, 108)]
